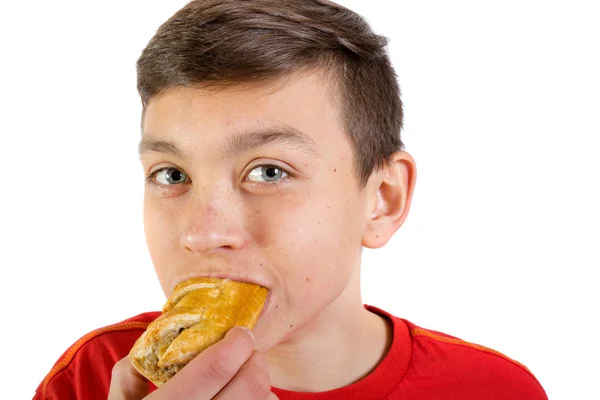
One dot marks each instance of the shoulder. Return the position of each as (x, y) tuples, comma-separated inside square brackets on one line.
[(88, 362), (460, 365)]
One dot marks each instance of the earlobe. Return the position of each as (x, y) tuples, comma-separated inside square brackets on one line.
[(392, 195)]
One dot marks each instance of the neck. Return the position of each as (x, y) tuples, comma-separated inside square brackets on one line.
[(343, 334)]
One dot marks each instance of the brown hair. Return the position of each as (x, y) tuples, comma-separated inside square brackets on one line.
[(223, 42)]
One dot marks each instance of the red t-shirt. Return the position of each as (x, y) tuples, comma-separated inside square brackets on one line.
[(420, 365)]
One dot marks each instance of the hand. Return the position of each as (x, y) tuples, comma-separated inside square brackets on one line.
[(229, 369)]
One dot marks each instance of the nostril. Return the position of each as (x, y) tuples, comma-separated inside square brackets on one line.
[(212, 240)]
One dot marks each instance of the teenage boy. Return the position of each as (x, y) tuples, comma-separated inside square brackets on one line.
[(271, 146)]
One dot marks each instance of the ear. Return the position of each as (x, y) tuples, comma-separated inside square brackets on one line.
[(390, 193)]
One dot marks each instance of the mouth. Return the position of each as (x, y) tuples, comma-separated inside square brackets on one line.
[(231, 277), (266, 306)]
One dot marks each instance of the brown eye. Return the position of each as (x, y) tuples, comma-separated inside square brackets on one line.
[(266, 173), (170, 176)]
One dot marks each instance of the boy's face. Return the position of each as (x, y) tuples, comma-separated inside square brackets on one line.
[(257, 185)]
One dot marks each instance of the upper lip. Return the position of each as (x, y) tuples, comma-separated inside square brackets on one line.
[(232, 277)]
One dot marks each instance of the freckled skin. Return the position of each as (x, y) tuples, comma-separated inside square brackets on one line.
[(217, 224), (308, 229)]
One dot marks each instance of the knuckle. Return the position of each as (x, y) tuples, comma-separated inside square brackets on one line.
[(259, 384), (258, 387), (219, 368)]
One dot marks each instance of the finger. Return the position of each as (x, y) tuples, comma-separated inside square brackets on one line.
[(205, 376), (251, 382), (126, 383)]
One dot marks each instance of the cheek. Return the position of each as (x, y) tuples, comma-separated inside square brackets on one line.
[(159, 230), (311, 242)]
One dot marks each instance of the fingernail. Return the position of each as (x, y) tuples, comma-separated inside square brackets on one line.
[(248, 331)]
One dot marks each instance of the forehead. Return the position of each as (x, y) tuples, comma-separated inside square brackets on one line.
[(301, 103)]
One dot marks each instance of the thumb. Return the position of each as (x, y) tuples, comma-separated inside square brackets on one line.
[(126, 383)]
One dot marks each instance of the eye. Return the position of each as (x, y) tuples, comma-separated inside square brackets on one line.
[(169, 176), (266, 173)]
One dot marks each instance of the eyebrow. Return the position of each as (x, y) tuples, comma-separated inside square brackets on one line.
[(150, 144), (284, 135), (241, 142)]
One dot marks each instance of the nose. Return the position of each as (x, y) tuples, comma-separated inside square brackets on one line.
[(212, 225)]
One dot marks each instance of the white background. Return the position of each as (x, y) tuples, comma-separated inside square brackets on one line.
[(502, 105)]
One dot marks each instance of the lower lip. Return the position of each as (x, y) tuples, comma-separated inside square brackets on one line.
[(266, 306)]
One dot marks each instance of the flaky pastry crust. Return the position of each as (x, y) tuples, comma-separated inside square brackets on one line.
[(198, 314)]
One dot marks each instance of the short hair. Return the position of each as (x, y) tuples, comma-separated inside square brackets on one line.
[(228, 42)]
